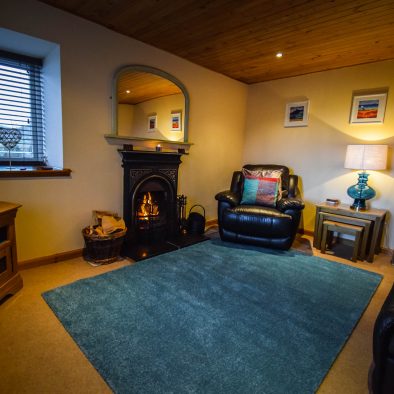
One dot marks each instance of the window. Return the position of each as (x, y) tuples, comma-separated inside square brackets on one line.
[(22, 133)]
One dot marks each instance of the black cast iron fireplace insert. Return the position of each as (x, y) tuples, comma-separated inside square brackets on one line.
[(150, 183)]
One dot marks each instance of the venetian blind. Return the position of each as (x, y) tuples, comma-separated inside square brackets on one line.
[(21, 109)]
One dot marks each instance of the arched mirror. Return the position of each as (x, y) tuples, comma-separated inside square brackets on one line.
[(149, 104)]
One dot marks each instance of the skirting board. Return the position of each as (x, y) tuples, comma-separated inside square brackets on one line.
[(56, 258)]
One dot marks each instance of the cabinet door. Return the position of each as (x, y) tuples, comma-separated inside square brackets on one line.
[(5, 261)]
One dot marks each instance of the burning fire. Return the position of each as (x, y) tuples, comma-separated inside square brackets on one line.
[(147, 208)]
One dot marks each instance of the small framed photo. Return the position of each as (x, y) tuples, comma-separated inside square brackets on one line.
[(176, 121), (297, 114), (368, 108), (152, 123)]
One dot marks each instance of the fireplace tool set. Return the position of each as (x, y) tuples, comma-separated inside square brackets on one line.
[(195, 223), (181, 203)]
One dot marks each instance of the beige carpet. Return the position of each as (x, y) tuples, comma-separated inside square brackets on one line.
[(38, 356)]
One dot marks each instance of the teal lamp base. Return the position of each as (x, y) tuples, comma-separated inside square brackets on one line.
[(361, 192), (359, 204)]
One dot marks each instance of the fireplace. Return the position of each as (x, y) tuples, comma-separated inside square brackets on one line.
[(150, 215), (152, 208), (150, 202)]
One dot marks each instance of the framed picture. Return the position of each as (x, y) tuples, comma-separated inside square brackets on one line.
[(368, 108), (152, 123), (176, 121), (297, 114)]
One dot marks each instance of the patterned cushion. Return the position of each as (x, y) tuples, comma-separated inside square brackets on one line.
[(262, 187)]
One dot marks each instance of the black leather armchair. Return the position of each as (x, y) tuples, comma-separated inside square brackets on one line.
[(381, 377), (273, 227)]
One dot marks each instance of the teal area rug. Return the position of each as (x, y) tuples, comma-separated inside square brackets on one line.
[(216, 318)]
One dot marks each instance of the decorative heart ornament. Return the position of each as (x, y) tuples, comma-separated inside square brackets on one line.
[(10, 137)]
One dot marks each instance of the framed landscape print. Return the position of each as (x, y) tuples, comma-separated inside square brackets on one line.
[(297, 114), (369, 108), (176, 121), (152, 123)]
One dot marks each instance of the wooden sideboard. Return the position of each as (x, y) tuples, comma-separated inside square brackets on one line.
[(10, 280)]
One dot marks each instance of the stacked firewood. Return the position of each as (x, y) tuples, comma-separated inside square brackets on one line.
[(106, 223)]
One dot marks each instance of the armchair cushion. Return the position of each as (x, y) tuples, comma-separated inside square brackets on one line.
[(261, 187), (251, 220)]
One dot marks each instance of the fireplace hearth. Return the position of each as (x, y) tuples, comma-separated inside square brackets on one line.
[(150, 204)]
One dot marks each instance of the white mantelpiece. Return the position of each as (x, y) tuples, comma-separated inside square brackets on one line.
[(147, 143)]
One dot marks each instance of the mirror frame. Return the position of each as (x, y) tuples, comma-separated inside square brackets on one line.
[(152, 70)]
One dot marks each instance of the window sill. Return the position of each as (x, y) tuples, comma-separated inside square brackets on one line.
[(32, 172)]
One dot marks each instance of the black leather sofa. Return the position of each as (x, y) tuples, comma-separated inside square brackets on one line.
[(273, 227), (381, 378)]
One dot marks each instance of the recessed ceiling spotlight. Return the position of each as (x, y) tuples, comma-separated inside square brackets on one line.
[(127, 91), (279, 54)]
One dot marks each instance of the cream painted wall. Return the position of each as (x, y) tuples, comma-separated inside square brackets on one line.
[(125, 119), (55, 210), (317, 152), (162, 107)]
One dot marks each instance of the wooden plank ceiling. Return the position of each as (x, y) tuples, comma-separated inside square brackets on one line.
[(136, 87), (239, 38)]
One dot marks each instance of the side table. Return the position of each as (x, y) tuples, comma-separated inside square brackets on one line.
[(376, 218), (343, 228)]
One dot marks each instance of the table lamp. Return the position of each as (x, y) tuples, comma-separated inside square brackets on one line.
[(364, 157)]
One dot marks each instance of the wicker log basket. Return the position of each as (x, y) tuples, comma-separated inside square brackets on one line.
[(103, 249)]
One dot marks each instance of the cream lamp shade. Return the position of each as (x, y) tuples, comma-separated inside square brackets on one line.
[(366, 157)]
